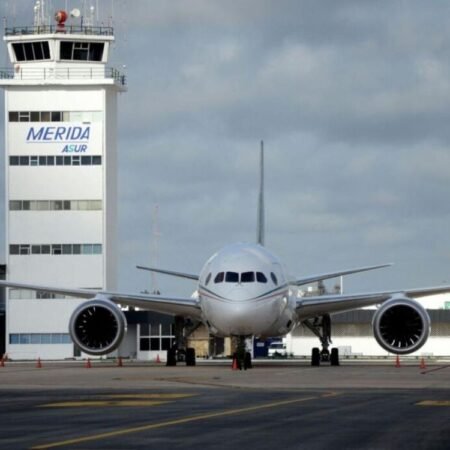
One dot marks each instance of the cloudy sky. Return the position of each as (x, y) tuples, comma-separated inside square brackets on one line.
[(352, 100)]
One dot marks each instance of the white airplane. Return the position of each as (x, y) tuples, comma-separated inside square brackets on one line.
[(243, 291)]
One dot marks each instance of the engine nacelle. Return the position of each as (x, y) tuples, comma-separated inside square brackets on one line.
[(97, 327), (401, 325)]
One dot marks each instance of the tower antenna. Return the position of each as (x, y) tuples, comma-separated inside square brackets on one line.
[(155, 247)]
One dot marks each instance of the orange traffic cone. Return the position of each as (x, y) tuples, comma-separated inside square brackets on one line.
[(397, 361), (158, 359), (88, 364), (422, 364), (119, 362), (38, 364), (235, 365)]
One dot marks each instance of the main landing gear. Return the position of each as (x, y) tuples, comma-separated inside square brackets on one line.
[(179, 352), (321, 327)]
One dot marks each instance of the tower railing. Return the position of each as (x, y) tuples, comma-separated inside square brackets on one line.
[(66, 29), (62, 73)]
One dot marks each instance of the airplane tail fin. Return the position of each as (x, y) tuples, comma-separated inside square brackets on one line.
[(260, 233)]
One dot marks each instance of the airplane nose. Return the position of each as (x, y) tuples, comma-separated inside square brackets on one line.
[(239, 293)]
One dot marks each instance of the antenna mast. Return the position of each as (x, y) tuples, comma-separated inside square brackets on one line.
[(154, 247)]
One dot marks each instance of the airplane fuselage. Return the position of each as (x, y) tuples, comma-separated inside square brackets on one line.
[(243, 290)]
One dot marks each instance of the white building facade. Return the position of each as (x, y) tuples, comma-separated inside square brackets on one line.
[(61, 178)]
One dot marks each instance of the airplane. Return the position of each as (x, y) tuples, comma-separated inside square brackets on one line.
[(243, 291)]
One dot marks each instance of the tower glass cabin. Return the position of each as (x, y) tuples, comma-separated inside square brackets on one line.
[(61, 177)]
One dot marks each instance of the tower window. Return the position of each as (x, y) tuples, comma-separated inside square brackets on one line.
[(31, 51), (82, 51)]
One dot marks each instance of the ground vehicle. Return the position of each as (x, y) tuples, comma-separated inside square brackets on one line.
[(277, 350)]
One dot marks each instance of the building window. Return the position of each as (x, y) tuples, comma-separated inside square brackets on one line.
[(156, 337), (13, 116), (55, 249), (74, 160), (25, 294), (55, 116), (39, 338), (15, 205), (24, 249)]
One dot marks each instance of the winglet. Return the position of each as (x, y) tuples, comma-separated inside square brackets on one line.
[(260, 233)]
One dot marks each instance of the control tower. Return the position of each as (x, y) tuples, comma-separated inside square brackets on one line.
[(61, 173)]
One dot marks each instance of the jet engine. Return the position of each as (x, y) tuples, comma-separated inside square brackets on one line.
[(401, 325), (97, 327)]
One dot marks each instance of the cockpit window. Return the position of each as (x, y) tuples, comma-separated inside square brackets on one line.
[(274, 278), (219, 278), (260, 277), (208, 279), (232, 277), (247, 277)]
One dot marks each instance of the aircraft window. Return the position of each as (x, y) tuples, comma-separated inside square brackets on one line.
[(247, 277), (208, 279), (260, 277), (219, 277), (232, 277), (274, 278)]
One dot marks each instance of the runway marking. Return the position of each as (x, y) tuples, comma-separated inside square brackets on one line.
[(168, 423), (158, 396), (434, 403), (435, 369), (114, 400)]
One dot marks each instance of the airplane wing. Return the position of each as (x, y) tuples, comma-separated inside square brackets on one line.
[(157, 303), (308, 307), (326, 276), (170, 272)]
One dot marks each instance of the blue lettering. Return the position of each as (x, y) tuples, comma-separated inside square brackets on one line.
[(48, 134), (74, 148), (76, 133), (85, 135), (59, 133), (35, 135), (56, 134)]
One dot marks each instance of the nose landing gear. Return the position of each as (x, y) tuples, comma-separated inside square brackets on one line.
[(242, 356), (321, 327)]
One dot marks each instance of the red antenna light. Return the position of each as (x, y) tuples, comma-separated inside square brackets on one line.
[(60, 17)]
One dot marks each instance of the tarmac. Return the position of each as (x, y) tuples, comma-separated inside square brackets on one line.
[(358, 405)]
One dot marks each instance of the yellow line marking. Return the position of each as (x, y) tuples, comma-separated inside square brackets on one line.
[(120, 400), (155, 396), (168, 423), (434, 403)]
